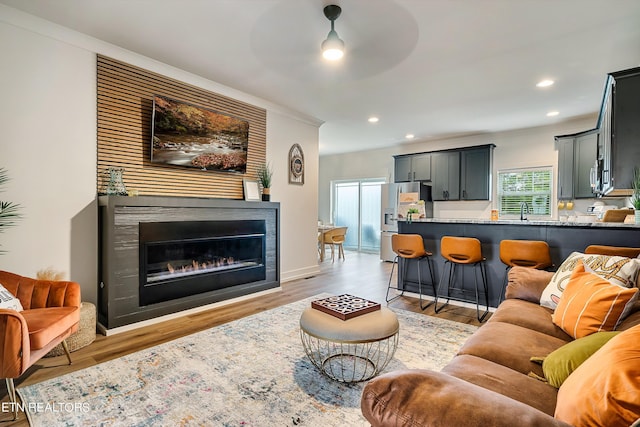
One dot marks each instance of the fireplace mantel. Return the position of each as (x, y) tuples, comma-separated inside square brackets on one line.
[(119, 219)]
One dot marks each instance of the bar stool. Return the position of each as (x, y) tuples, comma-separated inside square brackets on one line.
[(463, 251), (523, 253), (613, 251), (408, 247)]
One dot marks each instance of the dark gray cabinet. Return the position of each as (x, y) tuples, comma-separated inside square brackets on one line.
[(402, 169), (565, 146), (413, 167), (458, 174), (577, 165), (421, 167), (619, 132), (445, 173), (475, 173), (625, 129)]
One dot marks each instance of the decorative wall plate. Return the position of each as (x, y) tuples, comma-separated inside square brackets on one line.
[(296, 165)]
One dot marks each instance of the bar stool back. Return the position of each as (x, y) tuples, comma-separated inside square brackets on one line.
[(408, 247), (523, 253), (613, 250), (463, 251)]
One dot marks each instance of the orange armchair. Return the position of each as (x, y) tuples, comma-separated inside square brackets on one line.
[(51, 313)]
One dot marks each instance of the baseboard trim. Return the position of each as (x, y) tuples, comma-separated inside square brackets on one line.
[(107, 332), (300, 273)]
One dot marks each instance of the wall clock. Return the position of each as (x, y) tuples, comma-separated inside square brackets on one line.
[(296, 165)]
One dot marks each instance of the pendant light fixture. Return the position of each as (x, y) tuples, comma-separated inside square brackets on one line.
[(333, 46)]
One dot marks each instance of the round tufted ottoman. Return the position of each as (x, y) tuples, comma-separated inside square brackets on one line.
[(350, 350), (85, 335)]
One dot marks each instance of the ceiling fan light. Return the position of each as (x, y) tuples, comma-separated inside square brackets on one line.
[(333, 47)]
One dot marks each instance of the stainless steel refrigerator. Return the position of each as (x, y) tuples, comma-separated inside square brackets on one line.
[(390, 197)]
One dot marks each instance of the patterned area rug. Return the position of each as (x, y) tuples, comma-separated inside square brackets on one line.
[(250, 372)]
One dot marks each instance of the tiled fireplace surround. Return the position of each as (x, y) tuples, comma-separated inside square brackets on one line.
[(120, 217)]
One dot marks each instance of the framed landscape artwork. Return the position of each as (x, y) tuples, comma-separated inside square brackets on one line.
[(196, 137)]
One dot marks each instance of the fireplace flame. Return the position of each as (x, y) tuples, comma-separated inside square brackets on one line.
[(196, 266)]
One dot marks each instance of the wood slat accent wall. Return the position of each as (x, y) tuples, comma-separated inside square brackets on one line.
[(125, 104)]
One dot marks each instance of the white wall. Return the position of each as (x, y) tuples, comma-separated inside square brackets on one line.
[(298, 203), (48, 122), (514, 149), (48, 145)]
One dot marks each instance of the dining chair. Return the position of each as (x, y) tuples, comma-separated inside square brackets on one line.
[(335, 238)]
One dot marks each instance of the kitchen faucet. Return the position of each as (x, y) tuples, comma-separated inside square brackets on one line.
[(524, 210)]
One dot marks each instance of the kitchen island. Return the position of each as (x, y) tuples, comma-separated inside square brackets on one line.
[(563, 239)]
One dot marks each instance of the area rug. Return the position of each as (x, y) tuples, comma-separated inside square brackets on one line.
[(250, 372)]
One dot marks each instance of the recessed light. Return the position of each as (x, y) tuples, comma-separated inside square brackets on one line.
[(373, 119), (409, 136), (544, 83), (552, 113)]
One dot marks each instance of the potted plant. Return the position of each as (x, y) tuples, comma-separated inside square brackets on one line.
[(264, 176), (635, 196), (411, 212), (9, 212)]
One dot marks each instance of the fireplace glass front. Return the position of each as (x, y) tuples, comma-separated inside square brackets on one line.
[(183, 258)]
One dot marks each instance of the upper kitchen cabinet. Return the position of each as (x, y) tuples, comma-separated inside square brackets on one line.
[(445, 172), (475, 173), (625, 138), (619, 126), (577, 165), (402, 169), (565, 144), (413, 167), (458, 174)]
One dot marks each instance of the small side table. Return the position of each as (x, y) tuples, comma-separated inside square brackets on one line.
[(351, 350)]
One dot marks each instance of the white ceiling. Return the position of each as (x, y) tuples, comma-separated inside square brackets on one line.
[(433, 68)]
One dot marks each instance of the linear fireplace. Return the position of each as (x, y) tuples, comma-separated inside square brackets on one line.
[(182, 258), (160, 255)]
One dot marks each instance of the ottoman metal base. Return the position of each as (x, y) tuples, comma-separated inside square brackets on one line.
[(358, 358)]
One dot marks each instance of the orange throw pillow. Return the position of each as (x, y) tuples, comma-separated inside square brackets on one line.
[(604, 390), (591, 304)]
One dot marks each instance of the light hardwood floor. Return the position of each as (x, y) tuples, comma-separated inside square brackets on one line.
[(360, 274)]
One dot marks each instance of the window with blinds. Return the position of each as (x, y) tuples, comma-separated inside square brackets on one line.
[(533, 186)]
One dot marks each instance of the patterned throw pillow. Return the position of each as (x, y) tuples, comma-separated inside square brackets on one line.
[(7, 300), (591, 304), (616, 269)]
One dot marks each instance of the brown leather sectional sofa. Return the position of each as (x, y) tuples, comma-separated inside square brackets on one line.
[(487, 382)]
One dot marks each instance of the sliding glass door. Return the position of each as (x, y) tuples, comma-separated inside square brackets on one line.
[(356, 204)]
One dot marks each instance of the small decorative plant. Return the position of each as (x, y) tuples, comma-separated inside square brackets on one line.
[(9, 212), (410, 213), (264, 175)]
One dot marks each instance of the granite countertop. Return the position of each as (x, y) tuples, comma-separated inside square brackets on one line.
[(552, 223)]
